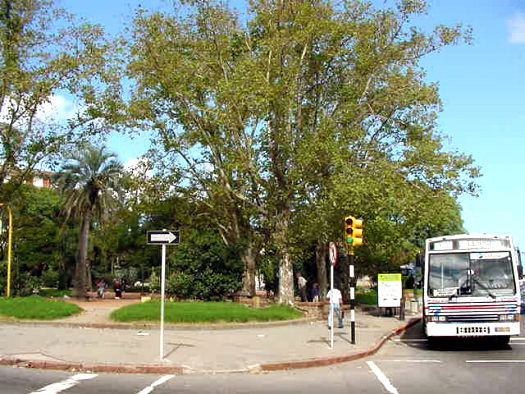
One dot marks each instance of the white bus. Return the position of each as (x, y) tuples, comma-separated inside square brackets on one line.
[(471, 287)]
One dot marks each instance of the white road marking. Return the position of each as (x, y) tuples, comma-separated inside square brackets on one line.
[(412, 361), (494, 361), (65, 384), (158, 382), (382, 378)]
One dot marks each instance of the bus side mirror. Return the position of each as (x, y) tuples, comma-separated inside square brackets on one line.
[(520, 264)]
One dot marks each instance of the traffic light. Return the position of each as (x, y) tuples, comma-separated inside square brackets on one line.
[(353, 231)]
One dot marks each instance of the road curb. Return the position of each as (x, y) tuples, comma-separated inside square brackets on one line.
[(324, 361), (91, 367)]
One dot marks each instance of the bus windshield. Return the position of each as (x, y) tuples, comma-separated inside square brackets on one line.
[(471, 274)]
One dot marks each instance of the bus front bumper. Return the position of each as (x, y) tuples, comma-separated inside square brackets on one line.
[(434, 329)]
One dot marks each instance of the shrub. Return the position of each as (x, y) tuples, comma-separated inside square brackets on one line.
[(50, 278), (26, 284), (181, 285)]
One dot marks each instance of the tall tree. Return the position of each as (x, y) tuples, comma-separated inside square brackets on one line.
[(91, 183), (306, 103), (47, 58)]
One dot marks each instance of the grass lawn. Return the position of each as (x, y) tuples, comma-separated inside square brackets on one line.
[(368, 298), (36, 307), (54, 293), (203, 312)]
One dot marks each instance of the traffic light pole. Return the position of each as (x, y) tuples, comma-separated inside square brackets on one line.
[(353, 237), (350, 258)]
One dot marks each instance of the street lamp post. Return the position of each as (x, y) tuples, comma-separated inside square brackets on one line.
[(9, 248)]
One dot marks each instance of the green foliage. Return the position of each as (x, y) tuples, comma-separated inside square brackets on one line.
[(24, 284), (309, 113), (267, 132), (50, 278), (154, 282), (369, 297), (203, 312), (181, 285), (56, 293), (203, 267), (35, 307), (46, 53), (91, 181), (36, 229)]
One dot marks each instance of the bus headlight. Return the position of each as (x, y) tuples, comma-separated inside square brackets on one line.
[(509, 318), (436, 318)]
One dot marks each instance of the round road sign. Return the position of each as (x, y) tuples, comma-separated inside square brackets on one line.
[(333, 253)]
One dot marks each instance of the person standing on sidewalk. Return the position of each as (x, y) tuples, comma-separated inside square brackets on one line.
[(117, 289), (101, 288), (301, 283), (336, 300)]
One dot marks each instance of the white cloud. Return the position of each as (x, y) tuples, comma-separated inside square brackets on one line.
[(137, 167), (58, 108), (131, 163), (516, 26)]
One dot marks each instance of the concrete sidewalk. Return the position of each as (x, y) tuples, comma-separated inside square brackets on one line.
[(90, 342)]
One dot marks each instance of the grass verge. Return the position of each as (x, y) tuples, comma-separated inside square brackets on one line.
[(35, 307), (203, 312), (54, 293), (368, 298)]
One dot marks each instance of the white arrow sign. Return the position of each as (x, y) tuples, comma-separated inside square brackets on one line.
[(163, 237)]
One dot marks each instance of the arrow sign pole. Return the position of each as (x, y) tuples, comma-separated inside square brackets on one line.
[(162, 289), (163, 238)]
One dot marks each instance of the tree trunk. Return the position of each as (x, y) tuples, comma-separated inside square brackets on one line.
[(80, 281), (248, 276), (321, 252), (285, 279), (285, 294)]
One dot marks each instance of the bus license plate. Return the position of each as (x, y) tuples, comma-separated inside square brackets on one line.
[(472, 330)]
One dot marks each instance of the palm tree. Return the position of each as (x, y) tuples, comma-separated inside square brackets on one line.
[(91, 182)]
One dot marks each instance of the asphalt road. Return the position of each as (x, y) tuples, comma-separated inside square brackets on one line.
[(404, 365)]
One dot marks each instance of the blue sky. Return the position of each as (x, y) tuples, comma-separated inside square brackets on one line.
[(482, 87)]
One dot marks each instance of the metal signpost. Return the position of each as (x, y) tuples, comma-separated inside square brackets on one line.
[(164, 237), (333, 262)]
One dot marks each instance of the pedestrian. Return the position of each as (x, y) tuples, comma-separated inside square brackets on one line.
[(117, 289), (315, 293), (336, 300), (301, 283), (101, 288)]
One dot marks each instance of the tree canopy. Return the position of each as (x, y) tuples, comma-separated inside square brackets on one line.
[(268, 127), (308, 111), (46, 53)]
